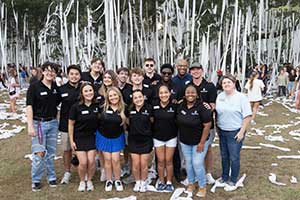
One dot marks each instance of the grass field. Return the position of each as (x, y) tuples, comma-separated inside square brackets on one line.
[(15, 182)]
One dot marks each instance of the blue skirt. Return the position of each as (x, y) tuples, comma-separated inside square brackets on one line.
[(110, 144)]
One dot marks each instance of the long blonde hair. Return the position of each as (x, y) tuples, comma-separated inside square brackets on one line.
[(121, 104)]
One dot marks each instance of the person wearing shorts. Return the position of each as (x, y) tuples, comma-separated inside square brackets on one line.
[(164, 137), (69, 95)]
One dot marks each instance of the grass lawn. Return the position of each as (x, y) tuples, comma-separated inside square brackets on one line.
[(15, 182)]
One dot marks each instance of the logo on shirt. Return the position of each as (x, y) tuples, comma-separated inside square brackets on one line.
[(170, 110), (96, 110), (204, 90), (54, 91), (145, 112), (172, 91), (195, 113)]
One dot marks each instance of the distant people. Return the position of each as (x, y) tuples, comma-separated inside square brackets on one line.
[(42, 100), (282, 81), (254, 87), (34, 76), (82, 127), (291, 83), (233, 116), (13, 89), (2, 80), (23, 75)]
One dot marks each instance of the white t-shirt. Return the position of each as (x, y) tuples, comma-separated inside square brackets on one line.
[(255, 94)]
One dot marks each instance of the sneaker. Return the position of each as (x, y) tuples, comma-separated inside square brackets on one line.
[(201, 192), (108, 186), (230, 186), (137, 186), (81, 187), (89, 186), (119, 186), (169, 187), (221, 182), (160, 187), (210, 179), (143, 186), (66, 179), (102, 177), (36, 187), (52, 184), (253, 122)]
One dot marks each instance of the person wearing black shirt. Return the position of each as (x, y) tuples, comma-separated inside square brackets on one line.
[(123, 75), (69, 95), (164, 137), (42, 98), (109, 79), (110, 137), (94, 75), (150, 77), (194, 122), (140, 140), (82, 127), (137, 77), (207, 92)]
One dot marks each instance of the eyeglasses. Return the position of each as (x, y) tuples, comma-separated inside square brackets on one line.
[(149, 65), (167, 73)]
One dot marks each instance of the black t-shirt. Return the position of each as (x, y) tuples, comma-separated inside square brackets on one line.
[(110, 123), (164, 125), (69, 95), (207, 93), (292, 77), (190, 122), (86, 76), (147, 91), (100, 99), (125, 93), (85, 117), (139, 121), (43, 100), (174, 91), (151, 81)]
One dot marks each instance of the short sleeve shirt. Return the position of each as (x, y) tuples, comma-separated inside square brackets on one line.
[(44, 101), (231, 110), (164, 125), (85, 117), (110, 123), (69, 95), (190, 122)]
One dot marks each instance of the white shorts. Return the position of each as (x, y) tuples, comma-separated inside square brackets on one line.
[(169, 143), (65, 141)]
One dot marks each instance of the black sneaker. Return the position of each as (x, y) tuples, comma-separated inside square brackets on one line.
[(36, 187), (53, 183)]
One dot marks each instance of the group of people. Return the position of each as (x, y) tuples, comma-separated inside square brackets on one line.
[(135, 111)]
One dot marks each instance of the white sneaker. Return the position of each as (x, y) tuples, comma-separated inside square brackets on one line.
[(220, 182), (81, 187), (143, 186), (102, 177), (229, 187), (108, 186), (137, 186), (66, 178), (119, 185), (210, 179), (89, 186)]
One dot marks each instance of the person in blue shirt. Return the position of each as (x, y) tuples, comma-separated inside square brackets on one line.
[(233, 116)]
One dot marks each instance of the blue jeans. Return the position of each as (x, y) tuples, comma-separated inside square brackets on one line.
[(45, 143), (194, 162), (230, 153)]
